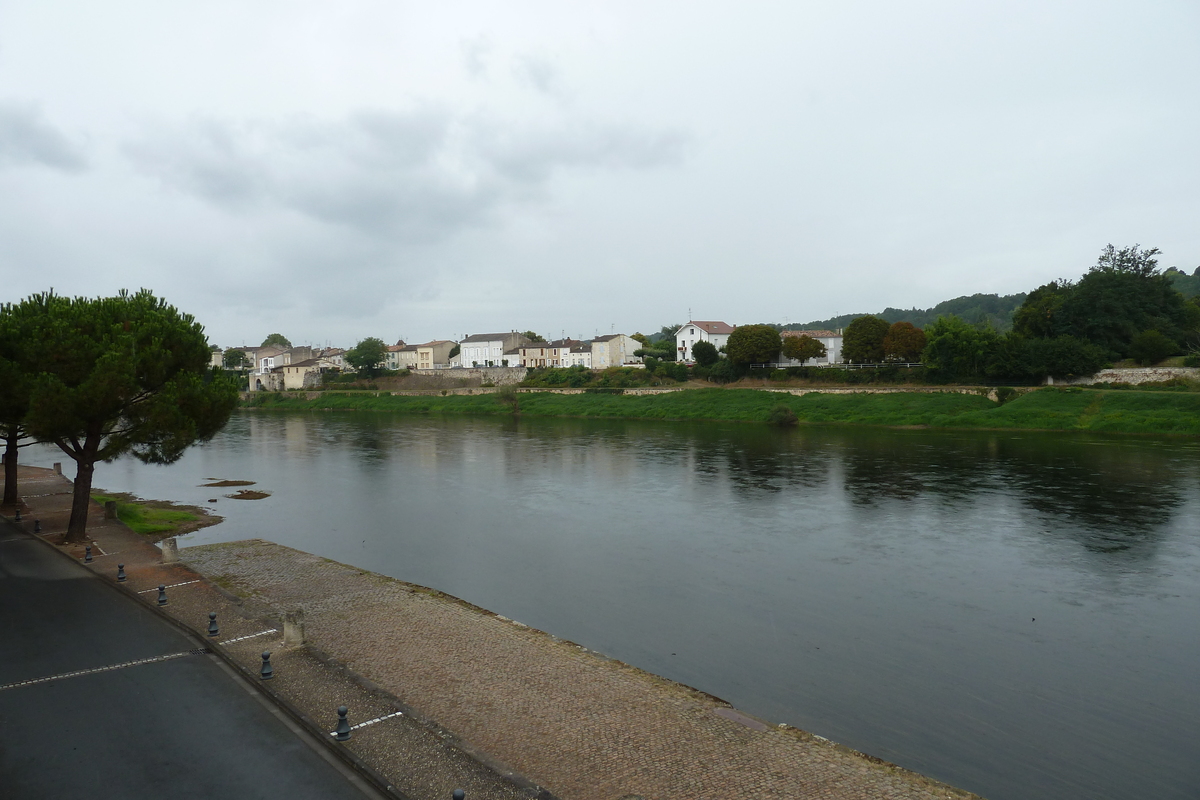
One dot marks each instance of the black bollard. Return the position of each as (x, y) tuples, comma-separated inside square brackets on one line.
[(213, 630), (18, 517), (162, 595), (459, 794), (342, 732), (87, 554), (121, 573), (267, 671), (37, 526)]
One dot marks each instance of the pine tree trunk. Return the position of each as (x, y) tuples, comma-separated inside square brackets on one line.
[(11, 498), (77, 527)]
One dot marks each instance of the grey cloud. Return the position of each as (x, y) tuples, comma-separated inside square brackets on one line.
[(532, 158), (26, 138), (539, 72), (475, 53), (415, 176), (210, 159)]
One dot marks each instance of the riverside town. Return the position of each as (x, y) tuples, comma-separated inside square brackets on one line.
[(599, 402)]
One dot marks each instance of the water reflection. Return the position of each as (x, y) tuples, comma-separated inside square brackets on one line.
[(1110, 496), (878, 587)]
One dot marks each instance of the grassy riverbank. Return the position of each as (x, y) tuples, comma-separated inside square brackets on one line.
[(158, 519), (1123, 411)]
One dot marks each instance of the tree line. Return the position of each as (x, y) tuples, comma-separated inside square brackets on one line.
[(101, 377), (1124, 307)]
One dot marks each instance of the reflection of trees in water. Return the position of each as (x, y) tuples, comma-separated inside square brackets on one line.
[(1108, 496), (759, 461), (1113, 497)]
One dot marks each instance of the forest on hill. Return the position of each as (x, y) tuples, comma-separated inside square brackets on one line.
[(1186, 285), (975, 309)]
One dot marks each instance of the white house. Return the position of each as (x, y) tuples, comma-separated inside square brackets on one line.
[(580, 355), (489, 349), (401, 356), (833, 349), (715, 333)]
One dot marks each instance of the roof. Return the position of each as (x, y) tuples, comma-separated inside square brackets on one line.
[(488, 337), (560, 343), (607, 337), (308, 362), (813, 334), (710, 326), (436, 342)]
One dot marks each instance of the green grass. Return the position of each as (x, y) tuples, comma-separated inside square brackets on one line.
[(1113, 411), (147, 519)]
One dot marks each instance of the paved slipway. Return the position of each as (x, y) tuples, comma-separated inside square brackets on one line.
[(486, 703)]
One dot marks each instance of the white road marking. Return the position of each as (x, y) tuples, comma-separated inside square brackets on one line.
[(251, 636), (109, 668), (172, 586), (371, 722)]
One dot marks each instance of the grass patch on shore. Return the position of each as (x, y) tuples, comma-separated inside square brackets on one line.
[(155, 520), (1051, 408)]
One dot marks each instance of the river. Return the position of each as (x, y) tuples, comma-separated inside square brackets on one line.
[(1017, 614)]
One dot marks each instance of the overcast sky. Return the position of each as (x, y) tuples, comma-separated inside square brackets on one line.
[(425, 170)]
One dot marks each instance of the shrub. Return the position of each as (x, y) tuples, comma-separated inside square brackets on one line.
[(1192, 361), (782, 416), (779, 375), (1150, 347), (722, 372), (705, 353)]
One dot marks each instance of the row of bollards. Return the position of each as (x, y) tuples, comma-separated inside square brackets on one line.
[(341, 733)]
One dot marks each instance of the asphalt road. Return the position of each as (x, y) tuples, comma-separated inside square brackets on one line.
[(185, 727)]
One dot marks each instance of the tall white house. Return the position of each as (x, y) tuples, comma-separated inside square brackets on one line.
[(490, 349), (715, 333)]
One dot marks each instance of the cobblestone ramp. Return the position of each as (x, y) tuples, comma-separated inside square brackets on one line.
[(585, 727)]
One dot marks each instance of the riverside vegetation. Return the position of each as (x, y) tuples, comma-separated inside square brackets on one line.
[(1171, 409), (158, 519)]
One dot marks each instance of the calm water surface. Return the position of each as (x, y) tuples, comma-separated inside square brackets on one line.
[(1016, 614)]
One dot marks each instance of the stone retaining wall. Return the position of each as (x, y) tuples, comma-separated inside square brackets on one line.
[(501, 376), (1131, 376)]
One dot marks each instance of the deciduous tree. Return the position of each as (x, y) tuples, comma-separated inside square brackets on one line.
[(235, 359), (1121, 296), (753, 344), (862, 341), (956, 350), (114, 375), (367, 356), (277, 340), (903, 342), (802, 348)]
